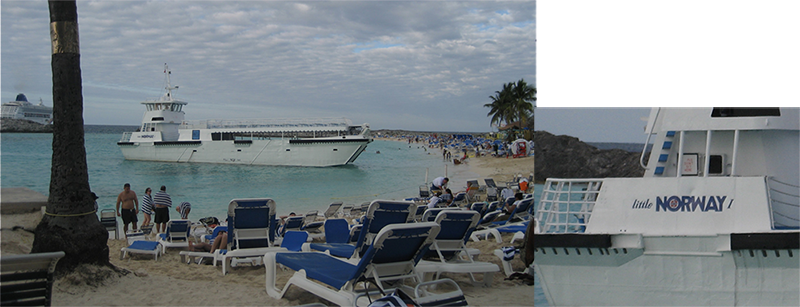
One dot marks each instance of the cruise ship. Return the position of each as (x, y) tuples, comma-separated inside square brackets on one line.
[(22, 109), (165, 136), (715, 220)]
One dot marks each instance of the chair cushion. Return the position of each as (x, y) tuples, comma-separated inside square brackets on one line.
[(322, 267), (337, 249), (144, 245), (512, 228)]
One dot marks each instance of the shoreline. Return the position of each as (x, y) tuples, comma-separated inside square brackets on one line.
[(170, 282)]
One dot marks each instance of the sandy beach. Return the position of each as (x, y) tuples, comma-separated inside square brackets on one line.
[(170, 282)]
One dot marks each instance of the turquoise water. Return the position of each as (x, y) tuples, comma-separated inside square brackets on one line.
[(394, 173), (539, 299)]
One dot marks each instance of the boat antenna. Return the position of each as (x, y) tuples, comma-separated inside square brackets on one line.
[(169, 87)]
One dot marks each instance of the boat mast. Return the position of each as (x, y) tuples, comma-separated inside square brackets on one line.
[(169, 87)]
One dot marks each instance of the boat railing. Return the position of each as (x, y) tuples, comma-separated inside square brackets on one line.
[(126, 137), (305, 123), (566, 205), (784, 203)]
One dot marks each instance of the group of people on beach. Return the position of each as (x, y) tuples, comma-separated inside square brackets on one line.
[(127, 208)]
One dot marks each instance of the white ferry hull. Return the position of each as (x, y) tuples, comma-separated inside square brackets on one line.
[(284, 152), (669, 271)]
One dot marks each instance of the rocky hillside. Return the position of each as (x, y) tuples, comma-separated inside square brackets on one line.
[(562, 156), (22, 125)]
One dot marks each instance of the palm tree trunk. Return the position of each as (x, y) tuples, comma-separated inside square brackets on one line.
[(70, 223)]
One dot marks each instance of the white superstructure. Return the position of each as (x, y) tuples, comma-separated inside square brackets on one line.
[(22, 109), (714, 221), (165, 136)]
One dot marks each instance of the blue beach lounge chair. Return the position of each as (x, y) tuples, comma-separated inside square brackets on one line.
[(137, 244), (449, 254), (251, 229), (379, 214), (176, 235), (392, 256)]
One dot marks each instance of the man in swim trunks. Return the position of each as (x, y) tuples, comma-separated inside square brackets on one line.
[(130, 207)]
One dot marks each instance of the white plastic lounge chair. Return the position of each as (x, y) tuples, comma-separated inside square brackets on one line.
[(108, 217), (448, 253), (138, 245), (392, 256), (292, 241), (176, 235), (346, 210), (311, 225), (251, 229), (191, 256), (332, 210), (27, 279)]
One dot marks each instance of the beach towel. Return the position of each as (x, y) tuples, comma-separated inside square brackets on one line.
[(185, 207)]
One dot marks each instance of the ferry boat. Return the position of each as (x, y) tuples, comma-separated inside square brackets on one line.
[(715, 220), (165, 136), (22, 109)]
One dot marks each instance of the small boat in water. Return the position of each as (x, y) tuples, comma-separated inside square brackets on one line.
[(22, 109), (165, 136), (714, 221)]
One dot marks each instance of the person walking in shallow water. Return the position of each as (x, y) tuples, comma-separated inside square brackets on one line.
[(162, 202), (130, 207)]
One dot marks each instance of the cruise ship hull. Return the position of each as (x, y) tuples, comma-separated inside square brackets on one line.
[(670, 271), (287, 152)]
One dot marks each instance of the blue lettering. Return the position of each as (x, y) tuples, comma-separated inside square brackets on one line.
[(699, 202), (721, 200), (685, 203)]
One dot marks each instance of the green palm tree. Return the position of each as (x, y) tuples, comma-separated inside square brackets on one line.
[(501, 111), (523, 96), (512, 104)]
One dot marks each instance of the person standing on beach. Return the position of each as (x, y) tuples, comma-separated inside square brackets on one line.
[(184, 209), (130, 207), (147, 206), (162, 202), (439, 183)]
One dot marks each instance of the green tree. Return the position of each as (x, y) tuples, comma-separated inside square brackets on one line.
[(523, 95), (500, 106), (70, 223), (512, 104)]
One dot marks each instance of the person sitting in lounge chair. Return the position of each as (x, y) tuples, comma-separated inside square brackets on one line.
[(220, 242), (509, 209)]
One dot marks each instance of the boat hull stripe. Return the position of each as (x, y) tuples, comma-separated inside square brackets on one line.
[(329, 141), (572, 240), (783, 240)]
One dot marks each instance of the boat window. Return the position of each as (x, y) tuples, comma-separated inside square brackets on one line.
[(745, 112), (157, 119), (716, 165)]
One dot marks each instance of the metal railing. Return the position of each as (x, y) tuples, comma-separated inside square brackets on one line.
[(566, 205), (297, 124), (126, 137)]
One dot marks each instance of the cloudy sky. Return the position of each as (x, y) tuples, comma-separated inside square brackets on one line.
[(393, 64), (417, 65)]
